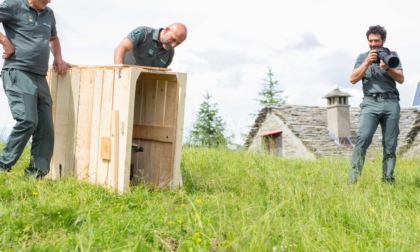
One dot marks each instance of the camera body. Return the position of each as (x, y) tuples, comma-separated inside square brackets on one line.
[(386, 56)]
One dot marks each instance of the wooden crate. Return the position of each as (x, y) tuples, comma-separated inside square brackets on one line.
[(100, 112)]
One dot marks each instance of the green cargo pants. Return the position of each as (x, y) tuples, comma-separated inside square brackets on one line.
[(31, 105), (375, 111)]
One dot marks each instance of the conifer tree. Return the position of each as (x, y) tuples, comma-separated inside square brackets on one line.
[(209, 128), (270, 94)]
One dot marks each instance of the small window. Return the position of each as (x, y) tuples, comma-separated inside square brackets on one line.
[(273, 142)]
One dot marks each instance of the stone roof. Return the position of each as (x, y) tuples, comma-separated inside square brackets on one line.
[(337, 93), (309, 124)]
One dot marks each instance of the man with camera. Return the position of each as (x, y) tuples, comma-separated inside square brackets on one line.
[(379, 69)]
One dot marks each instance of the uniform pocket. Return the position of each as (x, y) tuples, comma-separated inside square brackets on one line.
[(15, 99)]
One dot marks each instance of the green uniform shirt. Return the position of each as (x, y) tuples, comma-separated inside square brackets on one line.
[(146, 50), (30, 34), (375, 79)]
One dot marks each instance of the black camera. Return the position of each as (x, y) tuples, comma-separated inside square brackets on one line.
[(385, 55)]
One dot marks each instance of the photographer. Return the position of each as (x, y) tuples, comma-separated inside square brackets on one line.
[(380, 103)]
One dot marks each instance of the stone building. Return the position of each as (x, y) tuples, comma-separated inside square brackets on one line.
[(311, 131)]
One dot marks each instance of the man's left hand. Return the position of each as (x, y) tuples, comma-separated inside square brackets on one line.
[(60, 66)]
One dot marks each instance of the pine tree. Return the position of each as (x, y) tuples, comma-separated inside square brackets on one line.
[(209, 128), (270, 93)]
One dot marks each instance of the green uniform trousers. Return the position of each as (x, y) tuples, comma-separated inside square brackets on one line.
[(31, 105), (375, 111)]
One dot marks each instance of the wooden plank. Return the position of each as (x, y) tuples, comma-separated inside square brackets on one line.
[(83, 139), (105, 122), (136, 174), (161, 88), (114, 141), (106, 148), (138, 102), (179, 132), (155, 154), (172, 104), (95, 129), (155, 133), (166, 165), (61, 125), (145, 162), (52, 79), (149, 104), (125, 92), (53, 85), (158, 76), (72, 122)]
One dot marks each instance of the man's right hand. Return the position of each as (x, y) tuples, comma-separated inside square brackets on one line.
[(8, 48), (372, 56)]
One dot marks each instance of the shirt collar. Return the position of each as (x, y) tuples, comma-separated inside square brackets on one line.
[(156, 33)]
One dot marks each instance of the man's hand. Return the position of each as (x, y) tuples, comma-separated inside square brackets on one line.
[(383, 65), (60, 66), (372, 57), (8, 48)]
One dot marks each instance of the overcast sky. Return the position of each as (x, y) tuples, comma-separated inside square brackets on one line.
[(310, 45)]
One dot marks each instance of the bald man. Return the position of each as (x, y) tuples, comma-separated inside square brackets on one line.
[(145, 46)]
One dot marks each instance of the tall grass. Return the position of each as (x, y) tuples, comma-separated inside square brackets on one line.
[(230, 201)]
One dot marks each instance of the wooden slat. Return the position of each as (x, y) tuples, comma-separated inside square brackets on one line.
[(145, 161), (157, 76), (161, 88), (179, 126), (61, 124), (155, 133), (124, 103), (106, 148), (96, 122), (113, 167), (166, 165), (105, 122), (155, 154), (83, 139), (52, 79), (149, 104), (171, 104), (72, 122)]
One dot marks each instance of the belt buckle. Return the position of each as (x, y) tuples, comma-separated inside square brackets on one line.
[(384, 95)]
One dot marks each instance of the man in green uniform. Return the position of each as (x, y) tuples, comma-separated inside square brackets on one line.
[(31, 34), (145, 46), (380, 104)]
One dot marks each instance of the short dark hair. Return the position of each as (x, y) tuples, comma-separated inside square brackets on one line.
[(376, 29)]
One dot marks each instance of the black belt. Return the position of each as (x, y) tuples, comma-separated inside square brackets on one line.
[(383, 95)]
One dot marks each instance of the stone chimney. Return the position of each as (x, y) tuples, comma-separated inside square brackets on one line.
[(338, 114)]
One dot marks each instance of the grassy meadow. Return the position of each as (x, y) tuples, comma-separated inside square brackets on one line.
[(230, 201)]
